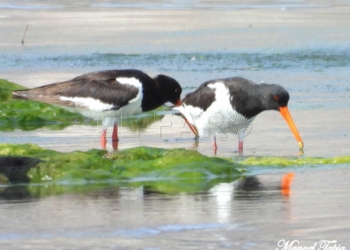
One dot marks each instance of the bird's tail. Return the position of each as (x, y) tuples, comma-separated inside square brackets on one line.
[(20, 94)]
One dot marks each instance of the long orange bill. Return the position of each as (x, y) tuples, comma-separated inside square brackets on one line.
[(193, 128), (286, 115)]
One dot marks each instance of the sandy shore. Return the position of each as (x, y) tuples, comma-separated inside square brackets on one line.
[(132, 30)]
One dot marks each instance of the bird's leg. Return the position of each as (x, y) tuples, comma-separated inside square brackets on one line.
[(115, 138), (115, 133), (240, 144), (195, 132), (196, 141), (215, 147), (103, 140)]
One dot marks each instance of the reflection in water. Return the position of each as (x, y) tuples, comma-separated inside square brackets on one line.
[(249, 213), (250, 187), (224, 196), (16, 192)]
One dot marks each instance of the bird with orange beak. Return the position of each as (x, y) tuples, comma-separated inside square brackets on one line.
[(230, 105)]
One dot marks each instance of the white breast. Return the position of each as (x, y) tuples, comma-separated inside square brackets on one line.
[(220, 116), (134, 106)]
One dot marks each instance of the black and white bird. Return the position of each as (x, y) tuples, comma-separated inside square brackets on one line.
[(230, 105), (112, 93)]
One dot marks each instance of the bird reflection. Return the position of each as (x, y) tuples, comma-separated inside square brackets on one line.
[(263, 185)]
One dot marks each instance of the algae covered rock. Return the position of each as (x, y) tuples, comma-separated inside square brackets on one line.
[(171, 163), (30, 115), (162, 169)]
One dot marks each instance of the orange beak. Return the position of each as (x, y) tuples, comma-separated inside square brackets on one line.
[(178, 103), (286, 115)]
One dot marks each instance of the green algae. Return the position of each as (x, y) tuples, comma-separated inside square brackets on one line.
[(171, 163), (300, 161), (164, 170), (30, 115), (154, 169)]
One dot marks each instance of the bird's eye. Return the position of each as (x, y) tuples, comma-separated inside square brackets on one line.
[(177, 90), (276, 97)]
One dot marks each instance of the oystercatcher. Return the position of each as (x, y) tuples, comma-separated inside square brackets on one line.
[(111, 92), (230, 105)]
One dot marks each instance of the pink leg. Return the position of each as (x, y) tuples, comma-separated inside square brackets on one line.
[(215, 147), (103, 139), (240, 146), (115, 138), (115, 133)]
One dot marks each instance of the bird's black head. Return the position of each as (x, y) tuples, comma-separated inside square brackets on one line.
[(275, 96), (170, 89)]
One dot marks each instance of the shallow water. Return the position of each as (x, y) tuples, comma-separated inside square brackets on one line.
[(250, 213), (301, 45)]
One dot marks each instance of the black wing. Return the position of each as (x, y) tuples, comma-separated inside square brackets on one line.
[(100, 85), (202, 98)]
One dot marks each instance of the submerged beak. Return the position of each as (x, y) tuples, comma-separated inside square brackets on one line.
[(286, 115), (178, 103)]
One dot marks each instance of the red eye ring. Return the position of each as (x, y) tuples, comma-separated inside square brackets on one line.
[(276, 97)]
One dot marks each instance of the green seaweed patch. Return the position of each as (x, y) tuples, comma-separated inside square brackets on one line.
[(6, 89), (29, 115), (283, 161), (164, 170), (176, 163)]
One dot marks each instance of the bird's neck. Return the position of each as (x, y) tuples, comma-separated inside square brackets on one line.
[(254, 102), (151, 98)]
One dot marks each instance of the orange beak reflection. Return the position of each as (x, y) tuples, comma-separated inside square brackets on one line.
[(286, 115)]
